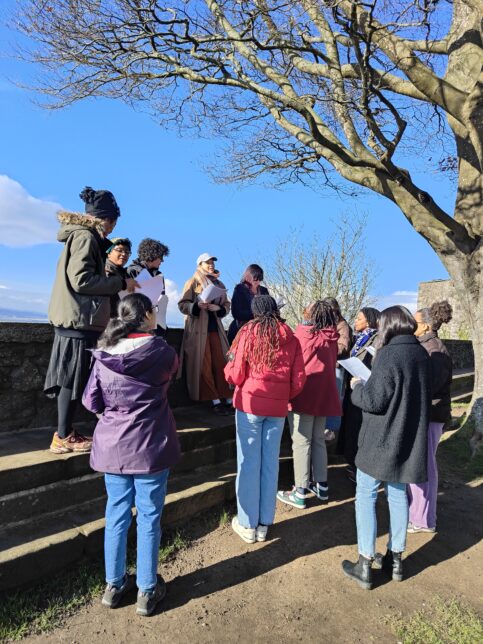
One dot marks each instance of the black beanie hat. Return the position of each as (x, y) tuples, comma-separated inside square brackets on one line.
[(100, 203)]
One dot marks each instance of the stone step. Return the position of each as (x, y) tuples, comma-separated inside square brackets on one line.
[(26, 462), (54, 497), (462, 382), (35, 548)]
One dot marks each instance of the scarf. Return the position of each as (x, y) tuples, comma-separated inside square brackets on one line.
[(203, 278), (361, 339)]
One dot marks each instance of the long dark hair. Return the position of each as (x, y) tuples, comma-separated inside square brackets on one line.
[(335, 306), (395, 320), (372, 316), (437, 314), (131, 316), (263, 336), (323, 316)]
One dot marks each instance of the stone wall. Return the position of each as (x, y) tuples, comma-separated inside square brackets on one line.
[(24, 358), (436, 291)]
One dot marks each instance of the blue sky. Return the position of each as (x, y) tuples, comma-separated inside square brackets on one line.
[(163, 192)]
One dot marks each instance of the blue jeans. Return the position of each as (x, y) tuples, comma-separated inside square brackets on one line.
[(333, 422), (147, 492), (258, 448), (366, 497)]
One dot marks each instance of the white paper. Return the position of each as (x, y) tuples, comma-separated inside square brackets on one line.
[(371, 350), (152, 288), (143, 275), (356, 368), (211, 293), (280, 303)]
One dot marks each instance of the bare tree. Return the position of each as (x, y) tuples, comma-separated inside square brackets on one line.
[(308, 90), (301, 272)]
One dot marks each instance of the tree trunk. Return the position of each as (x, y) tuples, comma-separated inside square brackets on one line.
[(466, 271)]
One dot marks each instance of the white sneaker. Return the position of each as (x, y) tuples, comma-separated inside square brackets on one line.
[(261, 532), (247, 534)]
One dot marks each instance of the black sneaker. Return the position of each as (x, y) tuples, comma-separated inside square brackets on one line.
[(114, 594), (147, 602)]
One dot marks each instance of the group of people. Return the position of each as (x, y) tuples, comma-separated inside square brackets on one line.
[(110, 351)]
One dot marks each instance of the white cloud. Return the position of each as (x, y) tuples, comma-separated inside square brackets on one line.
[(174, 317), (25, 220), (409, 299)]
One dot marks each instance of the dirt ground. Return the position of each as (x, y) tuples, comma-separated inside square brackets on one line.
[(291, 588)]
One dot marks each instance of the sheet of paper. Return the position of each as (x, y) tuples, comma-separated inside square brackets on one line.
[(211, 293), (356, 368), (144, 275), (152, 288), (280, 303), (371, 350)]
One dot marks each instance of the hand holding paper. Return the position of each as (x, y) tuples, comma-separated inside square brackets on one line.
[(356, 368), (211, 293)]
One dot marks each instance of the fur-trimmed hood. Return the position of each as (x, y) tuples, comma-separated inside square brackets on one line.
[(70, 221)]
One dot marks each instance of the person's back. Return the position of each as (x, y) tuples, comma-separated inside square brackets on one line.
[(395, 405), (135, 444), (267, 390), (133, 378), (319, 397), (266, 367)]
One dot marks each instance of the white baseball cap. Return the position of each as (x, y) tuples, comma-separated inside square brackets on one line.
[(205, 257)]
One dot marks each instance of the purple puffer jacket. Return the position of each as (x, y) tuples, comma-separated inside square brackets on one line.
[(128, 385)]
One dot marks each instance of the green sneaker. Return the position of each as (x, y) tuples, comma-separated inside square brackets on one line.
[(292, 497)]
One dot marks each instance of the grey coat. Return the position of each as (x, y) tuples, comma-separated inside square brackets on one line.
[(395, 403)]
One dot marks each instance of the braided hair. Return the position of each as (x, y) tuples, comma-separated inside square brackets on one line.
[(332, 302), (262, 334), (323, 315)]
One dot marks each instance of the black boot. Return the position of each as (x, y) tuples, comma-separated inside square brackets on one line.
[(391, 562), (361, 571)]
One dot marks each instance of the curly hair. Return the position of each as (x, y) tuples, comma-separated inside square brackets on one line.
[(437, 314), (151, 249), (262, 334)]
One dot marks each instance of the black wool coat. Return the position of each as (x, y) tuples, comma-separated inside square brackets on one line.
[(241, 308), (395, 403)]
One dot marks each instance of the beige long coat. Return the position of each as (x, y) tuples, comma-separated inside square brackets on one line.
[(196, 332)]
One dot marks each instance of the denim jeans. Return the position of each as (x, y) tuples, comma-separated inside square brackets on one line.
[(366, 497), (333, 422), (147, 492), (258, 448)]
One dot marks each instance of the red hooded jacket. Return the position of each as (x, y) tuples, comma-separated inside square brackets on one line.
[(320, 396), (267, 393)]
